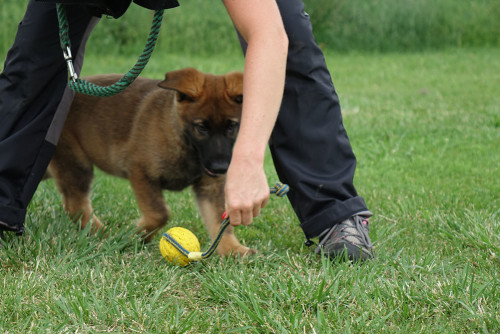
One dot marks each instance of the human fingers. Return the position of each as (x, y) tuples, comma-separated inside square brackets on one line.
[(256, 210), (234, 216), (247, 216)]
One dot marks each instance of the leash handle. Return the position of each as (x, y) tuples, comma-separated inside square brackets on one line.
[(279, 189), (88, 88)]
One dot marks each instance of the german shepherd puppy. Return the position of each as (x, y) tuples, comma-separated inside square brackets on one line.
[(159, 134)]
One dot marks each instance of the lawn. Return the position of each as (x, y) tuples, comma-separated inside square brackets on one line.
[(425, 128)]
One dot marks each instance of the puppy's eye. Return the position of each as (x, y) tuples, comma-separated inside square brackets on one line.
[(238, 99), (232, 127), (185, 97), (201, 127)]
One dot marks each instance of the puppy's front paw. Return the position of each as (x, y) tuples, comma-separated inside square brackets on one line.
[(238, 251), (145, 230), (245, 252), (95, 225), (146, 234)]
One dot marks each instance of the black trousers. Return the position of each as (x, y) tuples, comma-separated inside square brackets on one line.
[(309, 145), (34, 101)]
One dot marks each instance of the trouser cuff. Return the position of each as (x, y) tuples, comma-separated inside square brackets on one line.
[(12, 219), (314, 226)]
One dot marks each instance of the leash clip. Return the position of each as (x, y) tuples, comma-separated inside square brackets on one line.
[(69, 61)]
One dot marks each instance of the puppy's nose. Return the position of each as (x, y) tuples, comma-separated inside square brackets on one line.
[(217, 167)]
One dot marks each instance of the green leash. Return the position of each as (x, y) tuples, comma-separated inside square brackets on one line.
[(85, 87), (280, 190)]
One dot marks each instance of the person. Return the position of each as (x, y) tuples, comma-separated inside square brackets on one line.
[(311, 150), (283, 67)]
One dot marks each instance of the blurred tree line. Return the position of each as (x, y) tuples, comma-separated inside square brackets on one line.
[(202, 26)]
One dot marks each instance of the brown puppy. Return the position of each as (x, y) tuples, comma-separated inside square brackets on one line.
[(167, 134)]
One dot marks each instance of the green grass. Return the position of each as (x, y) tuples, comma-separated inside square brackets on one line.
[(395, 25), (425, 128), (202, 27)]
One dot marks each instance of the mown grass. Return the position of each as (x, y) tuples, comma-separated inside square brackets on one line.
[(425, 128)]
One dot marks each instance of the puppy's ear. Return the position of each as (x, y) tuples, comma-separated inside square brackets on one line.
[(188, 82), (234, 86)]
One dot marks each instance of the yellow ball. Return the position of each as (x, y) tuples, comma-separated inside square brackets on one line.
[(186, 239)]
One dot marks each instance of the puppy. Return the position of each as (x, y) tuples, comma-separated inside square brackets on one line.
[(160, 135)]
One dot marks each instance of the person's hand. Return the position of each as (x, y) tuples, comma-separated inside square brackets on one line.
[(246, 191), (259, 23)]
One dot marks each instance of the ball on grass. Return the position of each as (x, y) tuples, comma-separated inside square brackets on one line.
[(186, 239)]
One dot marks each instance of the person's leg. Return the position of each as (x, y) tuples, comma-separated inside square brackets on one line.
[(34, 100), (309, 145)]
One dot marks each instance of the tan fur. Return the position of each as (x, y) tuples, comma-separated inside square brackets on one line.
[(140, 134)]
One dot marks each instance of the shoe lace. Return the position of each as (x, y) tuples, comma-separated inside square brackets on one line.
[(357, 228)]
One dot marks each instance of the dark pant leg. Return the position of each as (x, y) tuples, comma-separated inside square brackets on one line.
[(34, 100), (309, 145)]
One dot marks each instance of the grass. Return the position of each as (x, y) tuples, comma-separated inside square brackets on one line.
[(425, 128), (341, 25), (395, 25)]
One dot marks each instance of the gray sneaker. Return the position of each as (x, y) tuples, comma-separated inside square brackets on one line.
[(350, 236)]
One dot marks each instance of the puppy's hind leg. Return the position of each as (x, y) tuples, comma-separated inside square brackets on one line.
[(74, 182)]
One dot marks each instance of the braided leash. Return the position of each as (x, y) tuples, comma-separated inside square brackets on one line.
[(280, 190), (85, 87)]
